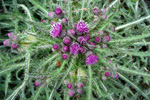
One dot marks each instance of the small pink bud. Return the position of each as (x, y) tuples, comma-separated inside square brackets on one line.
[(64, 20), (103, 10), (58, 11), (64, 56), (80, 85), (113, 29), (95, 10), (71, 32), (116, 76), (67, 40), (37, 83), (71, 92), (97, 39), (7, 42), (14, 46), (52, 23), (107, 74), (116, 68), (69, 86), (14, 37), (104, 46), (43, 21), (106, 39), (101, 32), (9, 34), (79, 91), (82, 50), (109, 61), (55, 46), (51, 15), (65, 48), (104, 17)]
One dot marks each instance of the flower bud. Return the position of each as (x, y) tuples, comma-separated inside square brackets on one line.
[(103, 10), (71, 32), (7, 42), (51, 15), (97, 39), (43, 21), (107, 73), (104, 46), (71, 92), (79, 91), (113, 29), (69, 86), (37, 83), (65, 48), (55, 46), (80, 85), (67, 40), (104, 17), (82, 50), (101, 32), (64, 56), (64, 20), (14, 46), (58, 11), (106, 39), (9, 34), (95, 10)]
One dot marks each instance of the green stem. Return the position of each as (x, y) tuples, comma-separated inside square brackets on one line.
[(90, 83)]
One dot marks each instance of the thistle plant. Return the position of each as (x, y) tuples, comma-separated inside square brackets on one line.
[(75, 50)]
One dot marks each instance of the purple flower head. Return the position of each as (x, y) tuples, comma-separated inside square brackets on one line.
[(36, 84), (56, 30), (106, 39), (65, 48), (14, 46), (74, 48), (83, 40), (79, 91), (82, 27), (7, 42), (82, 50), (71, 92), (107, 73), (71, 32), (97, 39), (58, 11), (55, 46), (69, 86), (64, 56), (92, 59), (95, 10), (67, 40), (9, 34)]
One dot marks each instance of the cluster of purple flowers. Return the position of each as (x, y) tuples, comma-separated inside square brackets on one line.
[(74, 88), (41, 81), (110, 73), (12, 41)]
